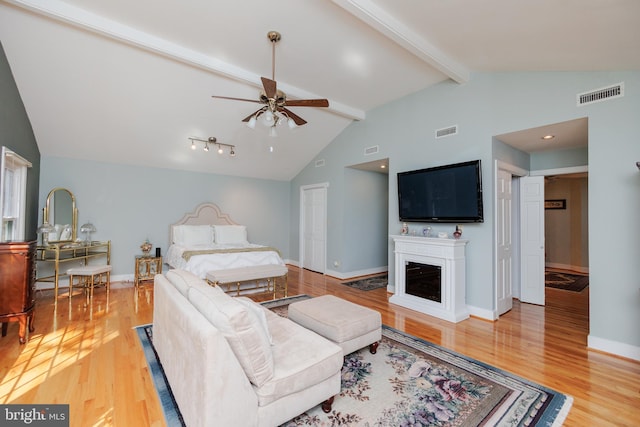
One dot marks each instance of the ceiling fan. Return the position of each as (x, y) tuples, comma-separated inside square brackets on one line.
[(275, 111)]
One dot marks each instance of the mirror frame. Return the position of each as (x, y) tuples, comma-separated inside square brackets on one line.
[(74, 214)]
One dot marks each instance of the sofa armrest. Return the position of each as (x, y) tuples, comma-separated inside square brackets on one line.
[(207, 380)]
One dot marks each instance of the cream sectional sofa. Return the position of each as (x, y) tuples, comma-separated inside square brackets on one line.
[(231, 362)]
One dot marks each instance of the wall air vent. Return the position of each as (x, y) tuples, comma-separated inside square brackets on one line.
[(602, 94), (371, 150), (451, 130), (319, 163)]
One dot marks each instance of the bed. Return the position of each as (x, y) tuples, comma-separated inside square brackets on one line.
[(206, 241)]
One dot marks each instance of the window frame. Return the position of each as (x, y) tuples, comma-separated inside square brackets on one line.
[(13, 195)]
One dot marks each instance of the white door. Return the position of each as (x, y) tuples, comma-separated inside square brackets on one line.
[(314, 228), (504, 292), (532, 239)]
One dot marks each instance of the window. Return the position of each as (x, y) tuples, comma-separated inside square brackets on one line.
[(13, 195)]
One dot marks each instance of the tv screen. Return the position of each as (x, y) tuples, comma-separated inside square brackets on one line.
[(450, 193)]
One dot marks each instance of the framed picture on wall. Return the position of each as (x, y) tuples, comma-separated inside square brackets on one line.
[(555, 204)]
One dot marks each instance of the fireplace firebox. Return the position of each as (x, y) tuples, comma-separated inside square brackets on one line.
[(423, 280)]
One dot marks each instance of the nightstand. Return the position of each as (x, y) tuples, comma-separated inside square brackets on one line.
[(146, 268)]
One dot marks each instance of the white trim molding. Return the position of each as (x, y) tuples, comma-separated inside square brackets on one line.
[(614, 347)]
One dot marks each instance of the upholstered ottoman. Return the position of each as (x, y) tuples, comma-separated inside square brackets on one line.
[(349, 325)]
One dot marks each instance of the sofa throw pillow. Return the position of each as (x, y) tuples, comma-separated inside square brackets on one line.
[(259, 311), (240, 327), (182, 280)]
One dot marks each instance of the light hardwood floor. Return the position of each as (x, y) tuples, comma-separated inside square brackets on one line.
[(97, 365)]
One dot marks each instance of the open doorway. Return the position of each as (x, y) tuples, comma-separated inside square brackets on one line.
[(565, 159), (566, 232)]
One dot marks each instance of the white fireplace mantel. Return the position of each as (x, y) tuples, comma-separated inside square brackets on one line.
[(449, 254)]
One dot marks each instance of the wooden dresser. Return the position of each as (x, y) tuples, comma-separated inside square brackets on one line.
[(17, 286)]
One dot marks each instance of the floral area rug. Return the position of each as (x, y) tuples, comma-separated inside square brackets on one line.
[(369, 283), (409, 382)]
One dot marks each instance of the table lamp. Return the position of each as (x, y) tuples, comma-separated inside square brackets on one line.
[(87, 229)]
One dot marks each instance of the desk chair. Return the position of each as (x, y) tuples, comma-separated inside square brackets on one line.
[(87, 275)]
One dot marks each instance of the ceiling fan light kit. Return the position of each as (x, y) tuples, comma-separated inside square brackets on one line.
[(212, 140), (275, 112)]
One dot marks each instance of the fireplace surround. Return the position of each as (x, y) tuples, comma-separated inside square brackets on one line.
[(423, 263)]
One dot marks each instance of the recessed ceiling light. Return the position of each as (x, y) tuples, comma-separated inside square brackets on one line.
[(548, 137), (383, 166)]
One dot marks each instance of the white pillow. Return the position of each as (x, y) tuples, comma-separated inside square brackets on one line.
[(193, 235), (65, 234), (226, 234), (259, 311), (182, 280), (55, 234), (241, 328)]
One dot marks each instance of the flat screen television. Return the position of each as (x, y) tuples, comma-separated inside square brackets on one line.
[(450, 193)]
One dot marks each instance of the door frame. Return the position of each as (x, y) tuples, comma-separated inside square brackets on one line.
[(517, 172), (324, 186)]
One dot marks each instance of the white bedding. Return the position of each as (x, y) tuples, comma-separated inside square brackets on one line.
[(200, 265)]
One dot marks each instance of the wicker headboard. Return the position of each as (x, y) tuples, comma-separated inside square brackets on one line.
[(203, 214)]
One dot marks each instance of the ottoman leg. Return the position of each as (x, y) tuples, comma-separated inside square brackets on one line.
[(373, 348), (326, 405)]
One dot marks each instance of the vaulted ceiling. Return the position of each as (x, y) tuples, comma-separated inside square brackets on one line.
[(130, 81)]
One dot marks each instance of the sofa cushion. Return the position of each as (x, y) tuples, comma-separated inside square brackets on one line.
[(301, 357), (241, 328), (259, 311)]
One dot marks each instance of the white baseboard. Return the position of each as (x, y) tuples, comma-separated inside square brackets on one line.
[(614, 347), (117, 281), (482, 313), (123, 277), (358, 273)]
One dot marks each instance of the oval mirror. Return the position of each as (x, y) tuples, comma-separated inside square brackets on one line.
[(60, 211)]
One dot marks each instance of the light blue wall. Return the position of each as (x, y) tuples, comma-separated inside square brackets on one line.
[(494, 104), (559, 159), (366, 219), (129, 204)]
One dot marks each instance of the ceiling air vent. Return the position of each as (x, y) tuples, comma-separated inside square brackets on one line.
[(319, 163), (371, 150), (451, 130), (603, 94)]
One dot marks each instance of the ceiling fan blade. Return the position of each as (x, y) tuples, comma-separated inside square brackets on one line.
[(246, 119), (236, 99), (307, 103), (296, 119), (269, 87)]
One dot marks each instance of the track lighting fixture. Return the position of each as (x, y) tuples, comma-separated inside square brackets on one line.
[(212, 140)]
